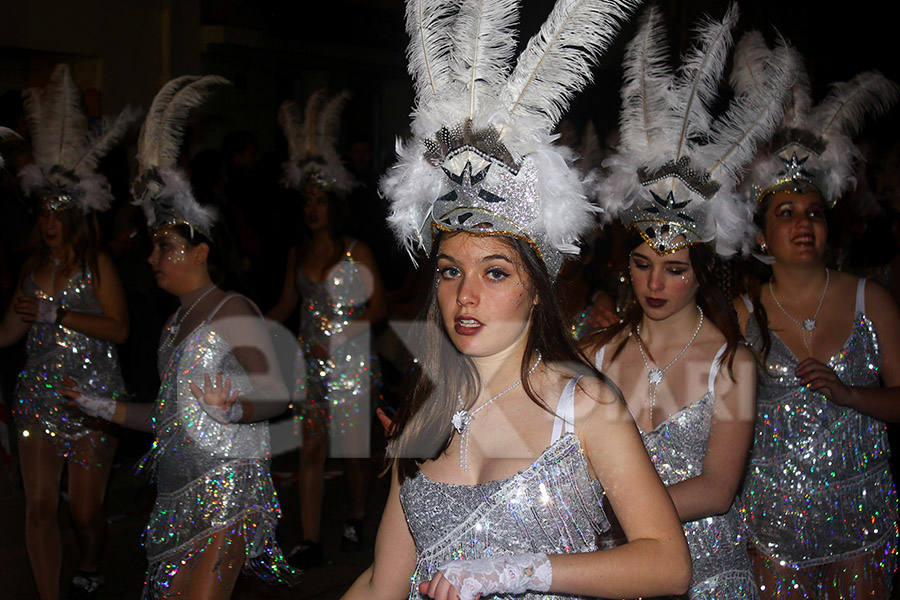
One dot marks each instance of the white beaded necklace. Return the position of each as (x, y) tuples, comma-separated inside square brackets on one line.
[(655, 374), (462, 418), (173, 329), (808, 326)]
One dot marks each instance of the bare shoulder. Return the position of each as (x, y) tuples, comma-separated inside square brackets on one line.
[(879, 299)]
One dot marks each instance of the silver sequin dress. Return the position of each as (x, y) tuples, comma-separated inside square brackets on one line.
[(54, 351), (677, 448), (340, 386), (553, 506), (211, 477), (819, 487)]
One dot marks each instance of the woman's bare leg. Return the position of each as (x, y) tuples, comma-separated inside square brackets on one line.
[(41, 474), (87, 489), (211, 574), (780, 583), (313, 452)]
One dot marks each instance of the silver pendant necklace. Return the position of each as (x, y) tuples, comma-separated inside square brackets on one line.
[(654, 373), (172, 331), (462, 418), (808, 325)]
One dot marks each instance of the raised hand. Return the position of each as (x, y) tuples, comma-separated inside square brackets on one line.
[(217, 400)]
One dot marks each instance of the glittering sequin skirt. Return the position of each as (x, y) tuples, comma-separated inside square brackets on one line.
[(236, 499), (803, 527)]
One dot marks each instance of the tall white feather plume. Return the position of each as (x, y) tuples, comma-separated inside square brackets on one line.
[(6, 134), (163, 190), (847, 105), (160, 141), (548, 73), (646, 91), (312, 143), (484, 37), (430, 46), (65, 154)]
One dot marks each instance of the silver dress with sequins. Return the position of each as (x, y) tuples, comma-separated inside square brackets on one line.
[(339, 386), (677, 448), (819, 487), (54, 351), (211, 477), (553, 506)]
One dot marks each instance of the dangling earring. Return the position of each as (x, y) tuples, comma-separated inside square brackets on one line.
[(764, 248)]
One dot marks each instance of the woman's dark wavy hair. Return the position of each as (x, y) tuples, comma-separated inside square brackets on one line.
[(422, 428), (714, 296), (81, 232), (222, 260)]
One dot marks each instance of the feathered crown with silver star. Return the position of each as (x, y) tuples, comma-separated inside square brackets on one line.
[(312, 142), (677, 167), (66, 152), (161, 188), (813, 149), (482, 158)]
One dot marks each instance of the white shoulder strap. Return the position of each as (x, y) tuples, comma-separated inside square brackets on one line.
[(598, 358), (747, 302), (565, 411), (860, 297), (714, 368)]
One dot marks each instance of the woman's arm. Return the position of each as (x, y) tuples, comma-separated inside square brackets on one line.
[(13, 326), (655, 561), (289, 298), (111, 325), (881, 403), (730, 435), (388, 578), (133, 415), (241, 324)]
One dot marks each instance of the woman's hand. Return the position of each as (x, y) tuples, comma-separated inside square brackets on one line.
[(217, 400), (472, 579), (89, 404), (36, 310), (821, 378)]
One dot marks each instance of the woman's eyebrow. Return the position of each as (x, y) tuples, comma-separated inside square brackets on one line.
[(502, 257)]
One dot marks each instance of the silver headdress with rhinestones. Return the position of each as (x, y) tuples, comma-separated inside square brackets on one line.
[(813, 149), (312, 141), (482, 158), (161, 188), (677, 167), (66, 152)]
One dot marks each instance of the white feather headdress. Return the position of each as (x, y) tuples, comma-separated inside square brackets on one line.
[(312, 142), (813, 148), (675, 175), (482, 158), (66, 154), (5, 134), (161, 188)]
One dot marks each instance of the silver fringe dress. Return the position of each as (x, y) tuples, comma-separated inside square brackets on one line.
[(819, 487), (553, 506), (53, 352), (211, 477)]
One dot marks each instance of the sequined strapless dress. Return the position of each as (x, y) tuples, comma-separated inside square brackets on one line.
[(819, 487), (677, 448), (211, 477), (53, 352), (553, 506), (339, 387)]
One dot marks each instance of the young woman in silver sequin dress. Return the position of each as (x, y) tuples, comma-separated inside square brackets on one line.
[(819, 499), (696, 417), (819, 502), (335, 281), (77, 340)]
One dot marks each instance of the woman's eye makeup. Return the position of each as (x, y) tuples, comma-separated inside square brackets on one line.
[(497, 273), (448, 272)]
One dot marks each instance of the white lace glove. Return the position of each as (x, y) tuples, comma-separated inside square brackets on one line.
[(503, 575), (46, 311), (231, 414), (96, 406)]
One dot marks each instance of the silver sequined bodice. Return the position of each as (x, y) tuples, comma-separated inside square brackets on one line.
[(677, 448), (818, 488), (54, 351), (553, 506)]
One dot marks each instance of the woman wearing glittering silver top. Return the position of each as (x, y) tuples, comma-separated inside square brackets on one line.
[(70, 304), (818, 500)]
